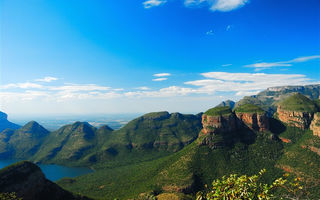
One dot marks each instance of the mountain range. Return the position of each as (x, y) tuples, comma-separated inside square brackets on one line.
[(176, 154)]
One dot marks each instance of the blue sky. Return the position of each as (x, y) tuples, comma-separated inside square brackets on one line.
[(124, 56)]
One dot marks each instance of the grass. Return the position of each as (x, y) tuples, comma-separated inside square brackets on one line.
[(217, 111), (249, 108)]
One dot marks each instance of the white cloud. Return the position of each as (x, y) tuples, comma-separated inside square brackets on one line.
[(171, 91), (153, 3), (159, 79), (226, 65), (228, 28), (143, 88), (247, 93), (242, 83), (78, 87), (227, 5), (210, 32), (47, 79), (265, 65), (304, 59), (25, 85), (217, 5), (162, 74)]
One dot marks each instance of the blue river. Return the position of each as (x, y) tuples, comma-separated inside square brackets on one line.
[(54, 172)]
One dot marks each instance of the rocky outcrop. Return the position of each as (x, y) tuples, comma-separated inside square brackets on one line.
[(253, 117), (255, 121), (219, 124), (295, 118), (297, 110), (28, 182), (315, 124)]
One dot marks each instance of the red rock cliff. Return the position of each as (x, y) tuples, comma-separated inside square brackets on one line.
[(315, 124), (254, 121), (295, 118), (218, 124)]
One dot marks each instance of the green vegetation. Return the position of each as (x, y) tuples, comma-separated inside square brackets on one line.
[(217, 111), (22, 143), (251, 187), (9, 196), (298, 102), (145, 138), (249, 108)]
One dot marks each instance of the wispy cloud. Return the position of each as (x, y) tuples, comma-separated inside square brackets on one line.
[(78, 87), (266, 65), (217, 5), (226, 65), (47, 79), (214, 5), (162, 74), (229, 27), (159, 79), (153, 3), (304, 59), (143, 88), (210, 32), (25, 85), (245, 82)]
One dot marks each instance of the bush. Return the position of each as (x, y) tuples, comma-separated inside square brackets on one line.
[(9, 196), (251, 187)]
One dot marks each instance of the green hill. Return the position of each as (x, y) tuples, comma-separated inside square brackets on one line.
[(68, 144), (24, 142), (150, 136), (298, 102)]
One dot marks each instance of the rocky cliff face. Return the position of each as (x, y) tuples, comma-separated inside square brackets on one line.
[(315, 124), (295, 118), (27, 181), (255, 121), (218, 124), (297, 110)]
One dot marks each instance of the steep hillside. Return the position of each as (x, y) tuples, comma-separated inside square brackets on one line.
[(28, 182), (4, 123), (22, 143)]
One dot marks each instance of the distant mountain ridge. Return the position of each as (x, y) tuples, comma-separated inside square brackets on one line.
[(4, 123), (268, 98), (152, 135)]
